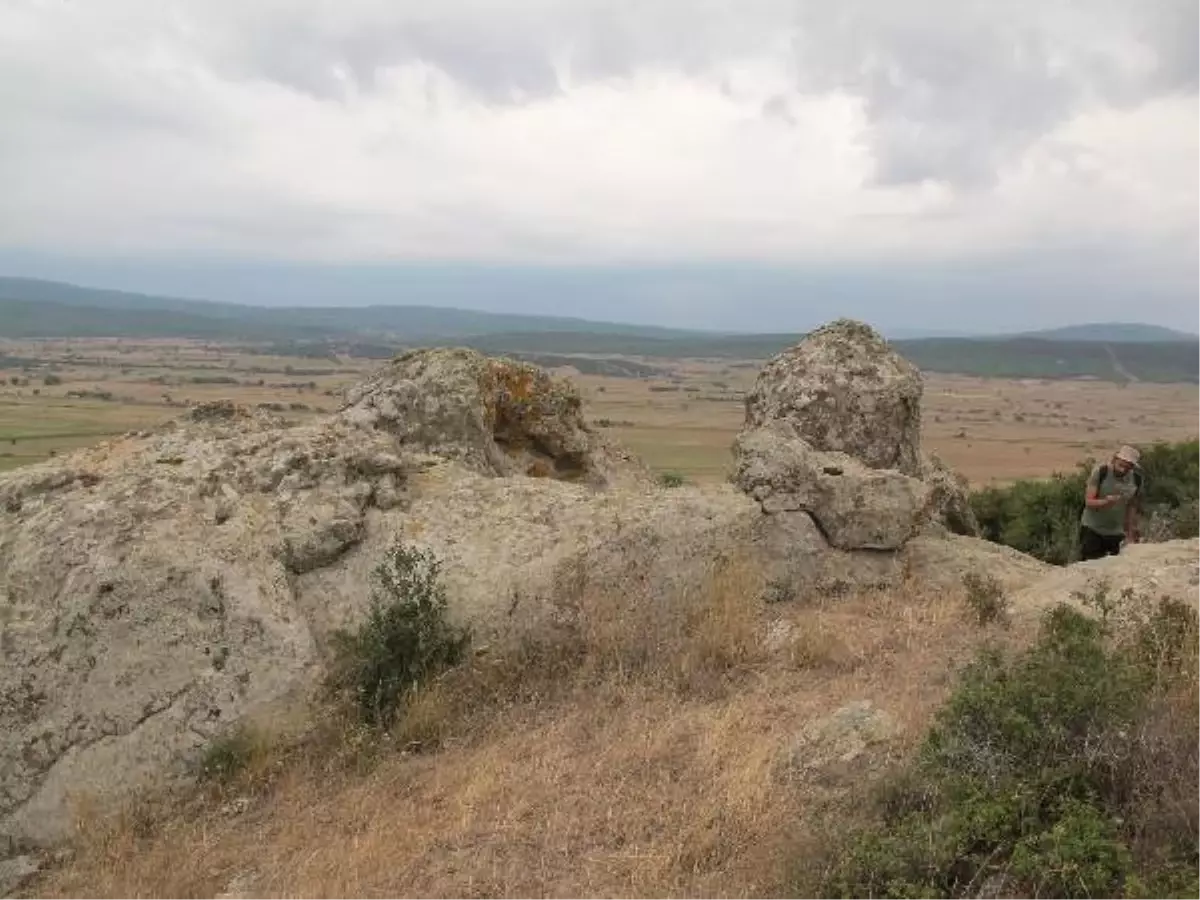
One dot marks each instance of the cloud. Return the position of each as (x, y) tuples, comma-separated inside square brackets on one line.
[(603, 131)]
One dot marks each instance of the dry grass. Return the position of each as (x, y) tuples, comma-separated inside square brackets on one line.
[(636, 752)]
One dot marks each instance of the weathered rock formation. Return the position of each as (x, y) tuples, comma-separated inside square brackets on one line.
[(844, 390), (1145, 571), (833, 430), (156, 589), (498, 417)]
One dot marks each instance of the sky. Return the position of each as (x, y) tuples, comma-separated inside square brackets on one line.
[(735, 164)]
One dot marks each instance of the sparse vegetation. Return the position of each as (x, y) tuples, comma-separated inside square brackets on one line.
[(404, 639), (986, 598), (1066, 770), (228, 755), (672, 480)]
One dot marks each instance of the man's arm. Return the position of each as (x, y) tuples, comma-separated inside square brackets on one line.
[(1091, 496)]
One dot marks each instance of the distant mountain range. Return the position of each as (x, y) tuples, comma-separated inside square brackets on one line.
[(28, 307), (37, 308), (1111, 332)]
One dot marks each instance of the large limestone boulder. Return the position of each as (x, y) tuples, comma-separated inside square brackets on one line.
[(845, 390), (497, 416), (832, 428)]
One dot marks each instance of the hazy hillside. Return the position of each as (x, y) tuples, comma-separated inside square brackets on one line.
[(1164, 361), (44, 318), (408, 322), (31, 308), (1111, 332)]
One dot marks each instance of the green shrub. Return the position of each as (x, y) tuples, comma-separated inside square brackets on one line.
[(1041, 516), (405, 639), (228, 755), (672, 480), (1045, 773)]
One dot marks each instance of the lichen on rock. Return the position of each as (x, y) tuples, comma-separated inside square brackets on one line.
[(497, 416)]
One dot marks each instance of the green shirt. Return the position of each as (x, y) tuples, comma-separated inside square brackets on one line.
[(1109, 521)]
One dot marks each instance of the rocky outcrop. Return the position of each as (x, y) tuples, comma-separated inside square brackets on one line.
[(844, 390), (1140, 573), (832, 429), (496, 416), (156, 589)]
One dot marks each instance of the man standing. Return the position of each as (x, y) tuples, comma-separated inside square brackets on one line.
[(1110, 507)]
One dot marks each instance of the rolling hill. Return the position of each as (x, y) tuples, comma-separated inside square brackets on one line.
[(1110, 333), (32, 309), (69, 313)]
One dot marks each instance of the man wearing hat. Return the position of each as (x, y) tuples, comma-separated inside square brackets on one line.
[(1110, 506)]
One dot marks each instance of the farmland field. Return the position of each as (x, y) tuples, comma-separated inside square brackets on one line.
[(680, 415)]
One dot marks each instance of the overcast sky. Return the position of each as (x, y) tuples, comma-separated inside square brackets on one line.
[(722, 163)]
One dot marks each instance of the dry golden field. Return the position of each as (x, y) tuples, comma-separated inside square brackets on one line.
[(58, 395)]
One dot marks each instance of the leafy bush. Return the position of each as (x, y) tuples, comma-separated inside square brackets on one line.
[(1048, 773), (405, 639), (1041, 516)]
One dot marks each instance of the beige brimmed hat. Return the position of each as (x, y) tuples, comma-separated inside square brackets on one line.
[(1129, 454)]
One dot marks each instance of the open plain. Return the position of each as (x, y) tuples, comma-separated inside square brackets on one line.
[(58, 395)]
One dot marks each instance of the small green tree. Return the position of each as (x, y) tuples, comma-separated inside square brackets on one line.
[(405, 639)]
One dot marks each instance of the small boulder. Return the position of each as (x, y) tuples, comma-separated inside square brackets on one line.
[(949, 497), (16, 871), (840, 738)]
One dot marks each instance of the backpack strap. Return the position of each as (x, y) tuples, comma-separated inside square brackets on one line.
[(1102, 473)]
